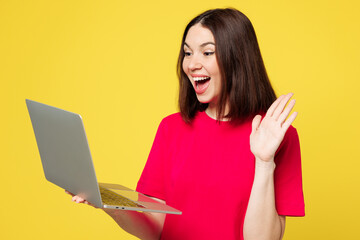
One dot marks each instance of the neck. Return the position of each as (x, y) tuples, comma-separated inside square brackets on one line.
[(212, 112)]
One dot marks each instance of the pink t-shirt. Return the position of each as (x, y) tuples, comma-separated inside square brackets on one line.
[(206, 170)]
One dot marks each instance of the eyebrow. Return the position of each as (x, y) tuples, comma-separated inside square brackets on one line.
[(202, 45)]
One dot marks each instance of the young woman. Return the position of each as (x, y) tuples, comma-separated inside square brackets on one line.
[(230, 160)]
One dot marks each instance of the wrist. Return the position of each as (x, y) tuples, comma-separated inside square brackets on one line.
[(265, 164)]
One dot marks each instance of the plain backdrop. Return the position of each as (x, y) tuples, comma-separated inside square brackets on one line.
[(114, 62)]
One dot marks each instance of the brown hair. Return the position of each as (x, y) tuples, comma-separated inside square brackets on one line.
[(245, 83)]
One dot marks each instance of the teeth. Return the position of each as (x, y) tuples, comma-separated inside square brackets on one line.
[(200, 78)]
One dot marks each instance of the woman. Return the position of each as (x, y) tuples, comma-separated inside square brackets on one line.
[(230, 161)]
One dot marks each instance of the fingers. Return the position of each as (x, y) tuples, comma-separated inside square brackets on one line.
[(78, 199), (286, 111), (289, 121), (279, 112), (273, 106), (75, 198), (256, 122), (280, 107)]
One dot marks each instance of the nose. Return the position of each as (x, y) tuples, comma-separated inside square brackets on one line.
[(195, 63)]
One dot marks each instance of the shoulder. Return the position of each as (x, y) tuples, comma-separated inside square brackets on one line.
[(290, 144), (173, 117), (172, 121), (291, 134)]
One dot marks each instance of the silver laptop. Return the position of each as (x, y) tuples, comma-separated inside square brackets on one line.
[(67, 162)]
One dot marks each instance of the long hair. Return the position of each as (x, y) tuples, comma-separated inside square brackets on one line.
[(245, 84)]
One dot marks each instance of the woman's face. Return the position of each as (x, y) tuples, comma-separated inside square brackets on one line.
[(200, 64)]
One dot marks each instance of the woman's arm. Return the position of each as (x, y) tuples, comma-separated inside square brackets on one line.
[(262, 220), (144, 225)]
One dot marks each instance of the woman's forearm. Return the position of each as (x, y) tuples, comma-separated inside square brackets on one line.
[(140, 224), (262, 220)]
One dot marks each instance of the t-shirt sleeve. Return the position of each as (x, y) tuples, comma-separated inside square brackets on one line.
[(288, 177), (151, 181)]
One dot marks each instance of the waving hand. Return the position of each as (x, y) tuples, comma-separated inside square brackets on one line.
[(268, 133)]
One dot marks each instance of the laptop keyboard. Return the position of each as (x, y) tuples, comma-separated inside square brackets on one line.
[(110, 198)]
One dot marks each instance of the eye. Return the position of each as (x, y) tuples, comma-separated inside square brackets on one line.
[(208, 53), (187, 53)]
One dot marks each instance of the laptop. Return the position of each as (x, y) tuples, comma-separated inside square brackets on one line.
[(67, 162)]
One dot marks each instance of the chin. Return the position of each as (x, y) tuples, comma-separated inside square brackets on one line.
[(207, 97), (203, 99)]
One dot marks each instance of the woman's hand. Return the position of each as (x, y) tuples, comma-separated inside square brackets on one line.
[(268, 133), (78, 199), (144, 225)]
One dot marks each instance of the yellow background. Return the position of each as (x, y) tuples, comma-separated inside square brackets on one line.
[(114, 63)]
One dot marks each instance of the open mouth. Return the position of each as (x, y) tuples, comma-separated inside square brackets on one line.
[(201, 84)]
